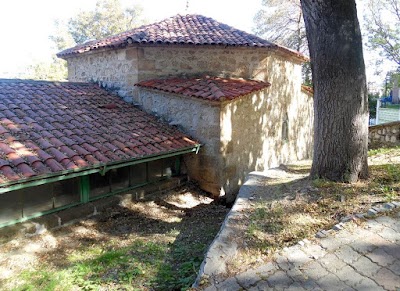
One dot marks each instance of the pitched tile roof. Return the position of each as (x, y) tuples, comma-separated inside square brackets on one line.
[(49, 127), (179, 30), (307, 89), (207, 88)]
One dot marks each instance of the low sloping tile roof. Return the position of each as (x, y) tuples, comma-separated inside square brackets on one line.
[(49, 127), (307, 89), (179, 30), (207, 88)]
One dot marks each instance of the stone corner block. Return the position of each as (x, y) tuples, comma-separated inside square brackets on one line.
[(396, 204), (389, 206), (372, 212), (322, 234)]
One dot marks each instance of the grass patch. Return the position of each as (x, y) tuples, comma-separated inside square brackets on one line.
[(44, 279), (137, 263), (383, 150), (391, 106), (131, 268)]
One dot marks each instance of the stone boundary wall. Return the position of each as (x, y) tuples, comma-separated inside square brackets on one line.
[(386, 134)]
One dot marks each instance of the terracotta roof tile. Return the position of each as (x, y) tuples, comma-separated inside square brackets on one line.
[(101, 157), (9, 174), (207, 88), (307, 89), (80, 162), (54, 165), (15, 159), (26, 170), (40, 168), (4, 163), (86, 136), (180, 30), (32, 159)]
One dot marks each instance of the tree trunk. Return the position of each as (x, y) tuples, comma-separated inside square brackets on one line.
[(340, 91)]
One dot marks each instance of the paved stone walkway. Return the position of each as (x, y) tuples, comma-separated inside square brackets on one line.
[(365, 257)]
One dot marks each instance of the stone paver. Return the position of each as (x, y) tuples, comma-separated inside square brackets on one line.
[(314, 251), (332, 262), (390, 234), (380, 257), (368, 259), (332, 283), (248, 278), (229, 284), (362, 246), (366, 267), (387, 279), (369, 285), (314, 270), (350, 277), (264, 271), (347, 254), (280, 280), (395, 268)]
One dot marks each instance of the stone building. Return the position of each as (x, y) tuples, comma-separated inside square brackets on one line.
[(238, 94)]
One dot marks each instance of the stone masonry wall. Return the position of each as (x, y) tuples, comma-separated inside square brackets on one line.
[(385, 134), (200, 120), (122, 68), (117, 69), (252, 127)]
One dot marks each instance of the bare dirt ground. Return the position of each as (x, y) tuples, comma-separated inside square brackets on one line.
[(174, 227)]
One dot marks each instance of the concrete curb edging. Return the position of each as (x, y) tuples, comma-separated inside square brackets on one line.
[(223, 248), (371, 213)]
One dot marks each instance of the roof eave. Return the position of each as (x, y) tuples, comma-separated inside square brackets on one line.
[(286, 51), (98, 168)]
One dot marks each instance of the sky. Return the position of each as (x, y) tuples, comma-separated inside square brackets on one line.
[(25, 25)]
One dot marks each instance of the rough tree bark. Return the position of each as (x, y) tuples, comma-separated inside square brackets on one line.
[(340, 92)]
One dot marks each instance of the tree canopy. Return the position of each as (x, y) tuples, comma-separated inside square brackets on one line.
[(382, 24), (53, 70), (281, 21), (107, 18)]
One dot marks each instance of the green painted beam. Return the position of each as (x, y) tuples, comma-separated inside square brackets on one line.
[(11, 222), (119, 191)]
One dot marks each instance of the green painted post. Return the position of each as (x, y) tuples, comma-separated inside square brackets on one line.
[(85, 189), (178, 165)]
